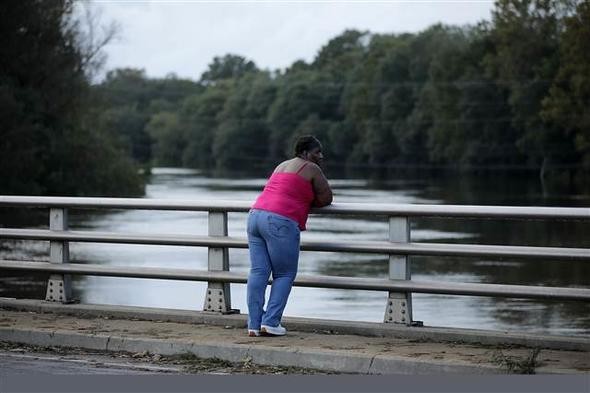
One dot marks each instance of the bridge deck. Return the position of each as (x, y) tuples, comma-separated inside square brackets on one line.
[(37, 323)]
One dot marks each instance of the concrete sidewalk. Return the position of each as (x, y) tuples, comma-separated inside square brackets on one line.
[(316, 344)]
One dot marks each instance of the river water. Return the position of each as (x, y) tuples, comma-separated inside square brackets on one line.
[(551, 317)]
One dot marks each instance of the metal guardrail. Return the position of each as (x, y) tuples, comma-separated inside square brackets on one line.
[(373, 247), (407, 210), (311, 281), (399, 247)]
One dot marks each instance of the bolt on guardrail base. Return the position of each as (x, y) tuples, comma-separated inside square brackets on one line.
[(217, 300), (59, 289)]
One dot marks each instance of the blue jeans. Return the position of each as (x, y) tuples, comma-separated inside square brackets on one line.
[(273, 241)]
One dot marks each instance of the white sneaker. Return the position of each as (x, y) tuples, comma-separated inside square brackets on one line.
[(253, 333), (273, 331)]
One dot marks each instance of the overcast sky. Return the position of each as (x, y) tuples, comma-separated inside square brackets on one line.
[(182, 37)]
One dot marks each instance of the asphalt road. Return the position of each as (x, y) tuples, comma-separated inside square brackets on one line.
[(17, 362)]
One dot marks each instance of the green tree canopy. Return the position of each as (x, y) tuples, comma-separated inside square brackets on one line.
[(509, 93), (227, 67), (48, 144), (566, 106)]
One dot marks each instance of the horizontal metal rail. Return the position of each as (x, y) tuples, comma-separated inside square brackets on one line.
[(399, 284), (408, 210), (314, 281), (375, 247)]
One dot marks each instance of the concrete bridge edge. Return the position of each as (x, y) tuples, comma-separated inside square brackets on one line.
[(361, 364), (371, 329)]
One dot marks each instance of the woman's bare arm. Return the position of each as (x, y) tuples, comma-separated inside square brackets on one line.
[(321, 188)]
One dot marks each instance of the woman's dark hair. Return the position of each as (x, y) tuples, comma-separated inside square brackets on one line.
[(306, 143)]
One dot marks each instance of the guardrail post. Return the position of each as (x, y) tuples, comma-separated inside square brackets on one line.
[(59, 286), (218, 296), (399, 304)]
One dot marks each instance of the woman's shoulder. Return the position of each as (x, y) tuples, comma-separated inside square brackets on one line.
[(312, 167), (284, 166), (306, 169), (310, 171)]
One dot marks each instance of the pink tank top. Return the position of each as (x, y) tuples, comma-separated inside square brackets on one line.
[(287, 194)]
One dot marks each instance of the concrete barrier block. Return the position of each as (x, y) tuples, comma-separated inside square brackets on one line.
[(331, 361), (46, 338), (235, 354), (68, 339), (138, 345), (387, 365)]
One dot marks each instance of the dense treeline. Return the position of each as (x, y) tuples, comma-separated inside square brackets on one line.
[(509, 94), (48, 142)]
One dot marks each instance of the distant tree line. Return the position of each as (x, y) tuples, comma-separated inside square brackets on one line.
[(509, 93)]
